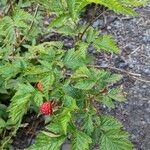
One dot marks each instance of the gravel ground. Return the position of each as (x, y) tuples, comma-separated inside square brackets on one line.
[(133, 37)]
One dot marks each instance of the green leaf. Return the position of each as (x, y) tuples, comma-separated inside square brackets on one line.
[(115, 5), (21, 18), (73, 92), (3, 112), (96, 136), (71, 7), (18, 107), (7, 29), (10, 70), (76, 58), (2, 123), (72, 59), (88, 125), (106, 43), (117, 95), (24, 89), (91, 35), (109, 123), (110, 96), (67, 30), (80, 5), (53, 5), (55, 127), (82, 48), (10, 26), (85, 84), (58, 21), (115, 140), (47, 82), (114, 78), (45, 142), (81, 141), (110, 134), (82, 72), (107, 101), (38, 98), (70, 103), (134, 2), (20, 103), (65, 119)]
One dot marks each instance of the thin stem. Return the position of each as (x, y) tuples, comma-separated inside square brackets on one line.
[(131, 74), (10, 8), (10, 136), (116, 69), (91, 22)]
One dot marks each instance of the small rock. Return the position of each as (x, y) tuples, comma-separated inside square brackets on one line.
[(66, 146), (109, 28), (147, 71)]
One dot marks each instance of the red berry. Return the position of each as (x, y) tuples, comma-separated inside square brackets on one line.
[(39, 86), (47, 108)]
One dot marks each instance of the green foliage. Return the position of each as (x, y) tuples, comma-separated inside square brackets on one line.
[(75, 59), (20, 103), (106, 43), (48, 142), (88, 124), (115, 139), (12, 27), (80, 141), (67, 75), (112, 137), (134, 2), (120, 6)]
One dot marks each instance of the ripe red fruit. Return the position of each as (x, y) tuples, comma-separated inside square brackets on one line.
[(47, 108), (39, 86)]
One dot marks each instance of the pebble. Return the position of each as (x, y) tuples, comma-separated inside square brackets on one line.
[(109, 27), (66, 147)]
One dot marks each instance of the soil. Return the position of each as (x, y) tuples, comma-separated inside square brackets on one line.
[(133, 37), (26, 134)]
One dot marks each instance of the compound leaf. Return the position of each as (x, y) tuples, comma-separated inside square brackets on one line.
[(46, 142), (81, 141)]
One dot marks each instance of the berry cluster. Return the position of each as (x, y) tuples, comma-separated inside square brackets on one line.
[(47, 108)]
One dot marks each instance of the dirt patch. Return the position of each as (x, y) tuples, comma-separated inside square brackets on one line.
[(26, 134)]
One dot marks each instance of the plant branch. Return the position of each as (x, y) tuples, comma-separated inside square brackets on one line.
[(131, 74), (10, 7), (91, 22), (9, 138)]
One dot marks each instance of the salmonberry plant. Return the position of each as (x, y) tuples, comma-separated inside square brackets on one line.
[(55, 81)]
